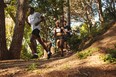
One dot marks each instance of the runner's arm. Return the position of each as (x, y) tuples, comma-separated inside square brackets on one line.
[(42, 19)]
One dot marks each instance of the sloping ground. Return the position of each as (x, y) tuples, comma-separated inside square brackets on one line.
[(69, 66), (108, 39)]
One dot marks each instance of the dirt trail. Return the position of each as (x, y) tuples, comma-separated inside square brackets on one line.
[(69, 66)]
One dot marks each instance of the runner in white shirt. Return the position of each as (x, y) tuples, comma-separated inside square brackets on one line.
[(34, 20)]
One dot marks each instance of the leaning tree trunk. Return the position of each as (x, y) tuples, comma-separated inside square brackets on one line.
[(16, 44), (3, 47), (100, 11)]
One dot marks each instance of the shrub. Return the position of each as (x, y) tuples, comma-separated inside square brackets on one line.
[(83, 55), (86, 53), (74, 42), (25, 54), (40, 50), (32, 67), (110, 56)]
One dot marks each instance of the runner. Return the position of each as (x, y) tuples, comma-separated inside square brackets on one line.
[(34, 20), (59, 36)]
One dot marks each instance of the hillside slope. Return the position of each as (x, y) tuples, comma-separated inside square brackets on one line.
[(69, 66)]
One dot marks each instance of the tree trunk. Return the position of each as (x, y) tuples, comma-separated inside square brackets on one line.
[(16, 44), (112, 9), (100, 11), (3, 47), (62, 14), (68, 1)]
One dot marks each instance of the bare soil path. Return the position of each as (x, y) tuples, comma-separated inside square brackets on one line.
[(68, 66)]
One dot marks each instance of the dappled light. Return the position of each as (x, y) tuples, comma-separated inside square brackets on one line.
[(57, 38)]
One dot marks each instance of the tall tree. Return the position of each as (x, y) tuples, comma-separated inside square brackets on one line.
[(83, 10), (62, 11), (3, 47), (68, 2), (16, 44), (51, 9), (99, 5), (111, 8)]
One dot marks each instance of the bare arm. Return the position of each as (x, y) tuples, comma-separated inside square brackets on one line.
[(27, 21)]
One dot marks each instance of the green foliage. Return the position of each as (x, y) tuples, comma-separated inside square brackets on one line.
[(9, 32), (32, 67), (86, 53), (83, 55), (109, 11), (25, 54), (110, 56), (95, 30), (50, 7), (11, 7), (40, 50), (74, 42), (84, 30)]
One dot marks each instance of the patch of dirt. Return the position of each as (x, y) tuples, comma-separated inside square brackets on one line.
[(68, 66), (108, 39)]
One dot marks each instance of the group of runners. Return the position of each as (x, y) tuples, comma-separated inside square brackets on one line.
[(61, 33)]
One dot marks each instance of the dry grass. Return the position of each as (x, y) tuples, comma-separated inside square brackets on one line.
[(69, 66)]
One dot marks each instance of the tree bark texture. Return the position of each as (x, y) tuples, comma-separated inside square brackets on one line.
[(16, 44), (3, 47), (100, 11)]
